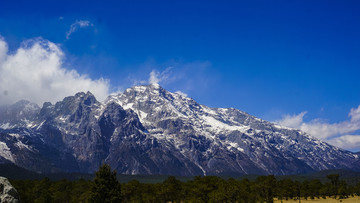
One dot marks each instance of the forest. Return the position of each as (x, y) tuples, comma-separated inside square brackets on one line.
[(105, 187)]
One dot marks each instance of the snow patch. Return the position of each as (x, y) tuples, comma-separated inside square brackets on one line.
[(234, 145), (31, 125), (63, 118), (42, 123), (142, 114), (139, 88), (197, 164), (5, 126), (218, 125), (208, 110), (282, 127), (14, 135), (128, 106), (5, 152), (21, 145)]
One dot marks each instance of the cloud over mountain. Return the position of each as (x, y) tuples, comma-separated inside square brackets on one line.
[(35, 71), (341, 134)]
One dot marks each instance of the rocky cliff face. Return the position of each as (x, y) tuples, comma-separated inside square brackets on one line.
[(8, 193), (148, 130), (227, 140)]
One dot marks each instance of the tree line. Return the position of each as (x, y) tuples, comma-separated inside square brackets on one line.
[(106, 188)]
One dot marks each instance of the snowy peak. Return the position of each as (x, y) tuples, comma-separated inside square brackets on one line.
[(180, 120), (153, 99), (18, 114), (71, 107), (153, 104), (149, 130)]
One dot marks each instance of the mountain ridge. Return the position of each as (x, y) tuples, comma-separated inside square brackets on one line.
[(149, 130)]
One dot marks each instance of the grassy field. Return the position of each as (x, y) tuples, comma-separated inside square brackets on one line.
[(327, 200)]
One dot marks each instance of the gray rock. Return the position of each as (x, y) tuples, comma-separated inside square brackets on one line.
[(149, 130), (18, 113), (8, 193)]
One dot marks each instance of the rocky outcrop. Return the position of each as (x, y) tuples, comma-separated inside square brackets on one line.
[(8, 193)]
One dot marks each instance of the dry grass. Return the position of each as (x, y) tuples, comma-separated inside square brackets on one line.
[(327, 200)]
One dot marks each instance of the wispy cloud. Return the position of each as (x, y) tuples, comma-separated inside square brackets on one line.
[(181, 93), (155, 76), (292, 121), (338, 134), (185, 78), (76, 25), (166, 76), (36, 72)]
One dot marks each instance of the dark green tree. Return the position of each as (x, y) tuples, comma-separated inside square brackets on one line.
[(315, 187), (286, 189), (199, 189), (266, 187), (105, 188), (232, 190), (246, 192), (81, 191), (41, 190), (282, 189), (131, 191), (221, 192), (334, 180), (61, 191), (171, 190), (297, 186), (305, 189)]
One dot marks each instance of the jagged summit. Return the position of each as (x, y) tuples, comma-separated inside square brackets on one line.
[(18, 114), (149, 130)]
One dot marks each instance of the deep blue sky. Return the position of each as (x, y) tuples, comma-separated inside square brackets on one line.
[(268, 58)]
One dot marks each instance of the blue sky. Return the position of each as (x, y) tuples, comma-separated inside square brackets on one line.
[(272, 59)]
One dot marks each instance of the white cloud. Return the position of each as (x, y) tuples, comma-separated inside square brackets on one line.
[(350, 142), (355, 115), (181, 93), (35, 72), (76, 25), (186, 77), (3, 49), (292, 121), (156, 77), (336, 133)]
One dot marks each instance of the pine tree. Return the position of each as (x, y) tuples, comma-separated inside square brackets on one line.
[(105, 188), (334, 179), (171, 190), (266, 187)]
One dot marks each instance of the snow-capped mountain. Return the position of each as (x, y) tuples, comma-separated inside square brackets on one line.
[(18, 114), (148, 130)]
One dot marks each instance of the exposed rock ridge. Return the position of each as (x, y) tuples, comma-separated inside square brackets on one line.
[(149, 130)]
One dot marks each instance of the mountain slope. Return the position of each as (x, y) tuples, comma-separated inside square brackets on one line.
[(217, 135), (148, 130)]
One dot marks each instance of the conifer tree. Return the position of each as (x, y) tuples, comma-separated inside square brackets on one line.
[(171, 189), (106, 188), (334, 179)]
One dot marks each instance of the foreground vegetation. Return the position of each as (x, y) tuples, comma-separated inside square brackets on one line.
[(106, 188)]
